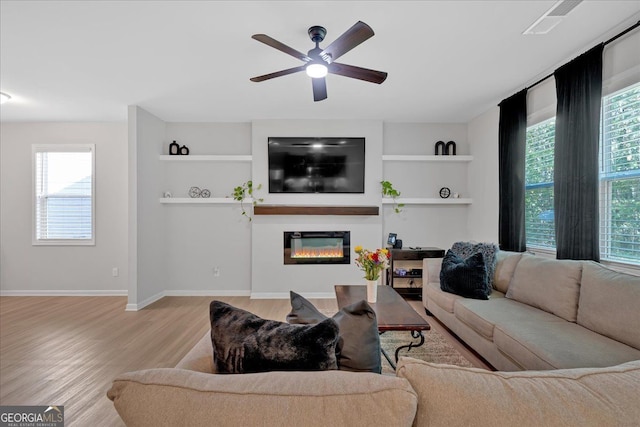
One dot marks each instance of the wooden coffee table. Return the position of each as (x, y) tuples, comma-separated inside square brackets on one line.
[(393, 313)]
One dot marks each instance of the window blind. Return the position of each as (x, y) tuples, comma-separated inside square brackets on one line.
[(63, 203), (620, 176)]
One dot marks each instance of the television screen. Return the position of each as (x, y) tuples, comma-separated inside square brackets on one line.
[(316, 165)]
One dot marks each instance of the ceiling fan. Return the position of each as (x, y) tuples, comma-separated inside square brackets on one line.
[(319, 62)]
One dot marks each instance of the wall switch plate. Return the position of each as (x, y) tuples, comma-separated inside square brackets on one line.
[(216, 271), (115, 272)]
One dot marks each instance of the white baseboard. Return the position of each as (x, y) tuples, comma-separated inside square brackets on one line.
[(186, 293), (285, 295), (58, 293)]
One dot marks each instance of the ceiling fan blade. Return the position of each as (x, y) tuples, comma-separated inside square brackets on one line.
[(319, 89), (277, 74), (359, 73), (269, 41), (347, 41)]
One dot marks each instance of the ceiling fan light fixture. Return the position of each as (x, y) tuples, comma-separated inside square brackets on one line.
[(316, 70), (4, 97)]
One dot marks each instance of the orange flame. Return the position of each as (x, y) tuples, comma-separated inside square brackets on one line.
[(318, 253)]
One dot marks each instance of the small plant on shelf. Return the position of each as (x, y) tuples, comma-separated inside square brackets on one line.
[(243, 191), (389, 191)]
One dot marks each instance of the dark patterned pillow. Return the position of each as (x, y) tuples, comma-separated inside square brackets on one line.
[(358, 347), (488, 251), (465, 277), (245, 343)]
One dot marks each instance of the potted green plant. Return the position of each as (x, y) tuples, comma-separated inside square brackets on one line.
[(243, 191), (389, 191)]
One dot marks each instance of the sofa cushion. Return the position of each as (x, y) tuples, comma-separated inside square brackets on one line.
[(176, 397), (609, 303), (455, 396), (466, 277), (358, 347), (548, 284), (506, 262), (554, 343), (244, 343)]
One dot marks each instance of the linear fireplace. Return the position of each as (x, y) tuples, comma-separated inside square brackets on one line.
[(317, 247)]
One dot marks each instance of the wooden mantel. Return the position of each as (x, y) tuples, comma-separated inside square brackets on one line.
[(315, 210)]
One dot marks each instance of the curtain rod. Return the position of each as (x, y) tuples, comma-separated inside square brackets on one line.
[(612, 39)]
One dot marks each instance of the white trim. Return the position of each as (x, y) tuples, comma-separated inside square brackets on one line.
[(188, 293), (197, 200), (286, 295), (143, 304), (207, 293), (63, 293)]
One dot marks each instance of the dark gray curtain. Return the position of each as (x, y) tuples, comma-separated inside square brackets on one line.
[(512, 150), (579, 95)]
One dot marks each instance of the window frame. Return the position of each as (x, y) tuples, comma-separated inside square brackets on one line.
[(62, 148)]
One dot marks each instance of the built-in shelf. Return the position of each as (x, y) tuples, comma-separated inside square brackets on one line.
[(208, 158), (315, 210), (196, 201), (425, 158), (427, 201)]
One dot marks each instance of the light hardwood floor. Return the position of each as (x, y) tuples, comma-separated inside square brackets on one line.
[(67, 350)]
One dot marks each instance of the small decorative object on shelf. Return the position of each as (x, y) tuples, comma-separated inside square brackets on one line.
[(205, 194), (176, 150), (195, 192), (389, 191), (166, 195), (445, 192), (372, 263), (445, 149), (242, 191)]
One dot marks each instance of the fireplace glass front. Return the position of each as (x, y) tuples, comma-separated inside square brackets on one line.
[(317, 247)]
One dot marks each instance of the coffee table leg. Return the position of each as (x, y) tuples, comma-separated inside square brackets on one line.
[(415, 335)]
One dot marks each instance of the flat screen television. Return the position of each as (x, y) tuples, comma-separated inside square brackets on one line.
[(316, 165)]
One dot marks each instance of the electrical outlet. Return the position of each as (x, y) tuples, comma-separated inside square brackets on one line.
[(115, 272), (216, 271)]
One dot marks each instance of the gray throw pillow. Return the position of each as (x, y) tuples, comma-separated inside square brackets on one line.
[(245, 343), (358, 347), (465, 277)]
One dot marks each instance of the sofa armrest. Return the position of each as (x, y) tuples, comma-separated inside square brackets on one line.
[(430, 275), (200, 357)]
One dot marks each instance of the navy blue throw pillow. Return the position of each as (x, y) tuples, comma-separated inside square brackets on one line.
[(466, 277)]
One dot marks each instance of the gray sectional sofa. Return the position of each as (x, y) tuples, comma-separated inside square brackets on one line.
[(544, 313)]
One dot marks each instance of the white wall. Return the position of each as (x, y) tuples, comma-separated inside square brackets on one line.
[(426, 225), (147, 244), (65, 270), (269, 276)]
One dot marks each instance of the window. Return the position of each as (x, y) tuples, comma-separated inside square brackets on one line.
[(63, 195), (620, 176), (539, 221), (619, 179)]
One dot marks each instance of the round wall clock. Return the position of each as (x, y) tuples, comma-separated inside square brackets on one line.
[(445, 192)]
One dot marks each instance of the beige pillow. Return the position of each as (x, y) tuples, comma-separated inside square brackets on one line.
[(454, 396), (548, 284), (610, 303), (505, 266), (176, 397)]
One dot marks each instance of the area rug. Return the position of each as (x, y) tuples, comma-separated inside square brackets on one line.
[(436, 349)]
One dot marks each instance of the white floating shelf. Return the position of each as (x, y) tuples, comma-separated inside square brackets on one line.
[(197, 201), (425, 158), (427, 201), (208, 158)]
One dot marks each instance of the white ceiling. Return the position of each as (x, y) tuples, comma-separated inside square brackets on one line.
[(191, 61)]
